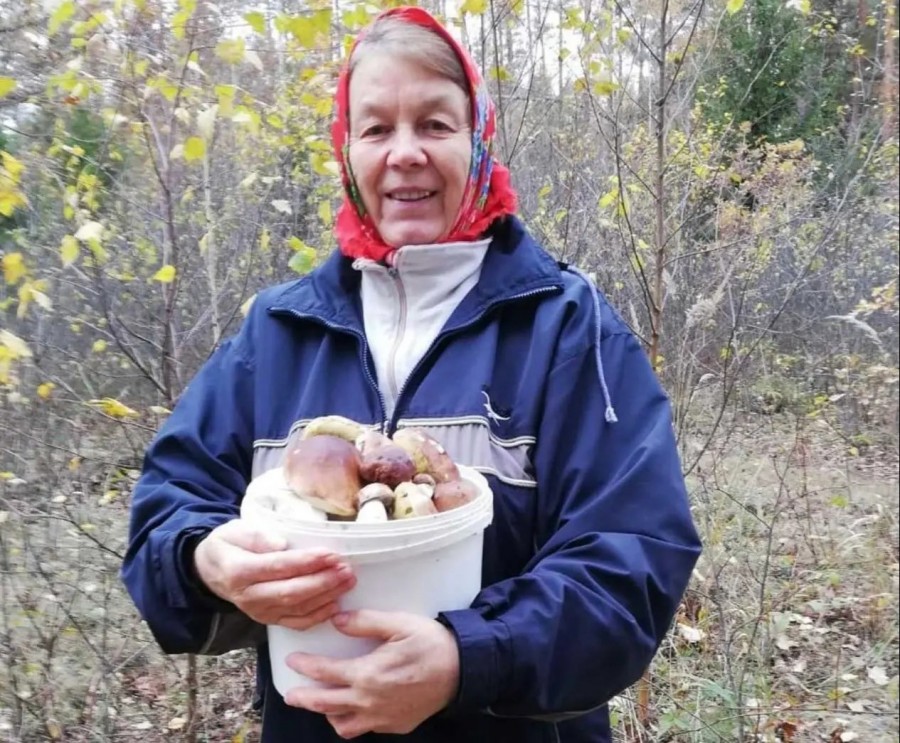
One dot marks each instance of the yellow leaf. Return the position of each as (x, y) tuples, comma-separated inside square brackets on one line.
[(325, 212), (165, 275), (604, 87), (194, 149), (475, 7), (231, 50), (733, 6), (13, 267), (45, 390), (7, 86), (256, 20), (64, 11), (99, 346), (68, 251), (16, 345), (113, 408), (159, 410)]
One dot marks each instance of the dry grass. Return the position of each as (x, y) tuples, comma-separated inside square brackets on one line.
[(789, 631)]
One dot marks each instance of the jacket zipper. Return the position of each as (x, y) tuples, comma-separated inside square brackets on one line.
[(392, 424), (364, 346), (388, 426), (398, 333)]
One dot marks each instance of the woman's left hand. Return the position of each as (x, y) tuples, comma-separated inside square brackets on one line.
[(411, 676)]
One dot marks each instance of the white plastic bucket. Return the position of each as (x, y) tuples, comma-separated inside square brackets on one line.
[(422, 566)]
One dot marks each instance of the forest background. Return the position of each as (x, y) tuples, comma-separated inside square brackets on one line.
[(726, 171)]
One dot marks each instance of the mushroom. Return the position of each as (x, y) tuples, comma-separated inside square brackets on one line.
[(450, 495), (324, 471), (384, 461), (374, 502), (412, 500), (333, 425), (428, 455)]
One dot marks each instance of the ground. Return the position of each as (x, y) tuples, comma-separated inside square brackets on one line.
[(788, 633)]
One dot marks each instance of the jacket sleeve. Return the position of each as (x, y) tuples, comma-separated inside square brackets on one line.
[(194, 474), (616, 547)]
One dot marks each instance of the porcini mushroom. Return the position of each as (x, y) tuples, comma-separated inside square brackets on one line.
[(324, 471), (450, 495), (412, 500), (384, 461), (333, 425), (428, 455), (374, 503)]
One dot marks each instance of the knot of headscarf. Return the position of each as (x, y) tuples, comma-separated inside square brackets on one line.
[(488, 193)]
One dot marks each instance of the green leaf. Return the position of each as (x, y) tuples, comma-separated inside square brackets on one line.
[(256, 20), (64, 11), (7, 86), (303, 260), (733, 6), (165, 275), (194, 149)]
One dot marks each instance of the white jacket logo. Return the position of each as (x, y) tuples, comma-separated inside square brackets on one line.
[(491, 413)]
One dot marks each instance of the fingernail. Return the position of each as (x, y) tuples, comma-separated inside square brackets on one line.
[(341, 618)]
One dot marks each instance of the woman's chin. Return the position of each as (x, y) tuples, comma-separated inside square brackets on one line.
[(399, 235)]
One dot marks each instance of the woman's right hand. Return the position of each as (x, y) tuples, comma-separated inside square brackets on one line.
[(268, 582)]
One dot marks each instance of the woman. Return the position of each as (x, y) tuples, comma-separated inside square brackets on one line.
[(439, 310)]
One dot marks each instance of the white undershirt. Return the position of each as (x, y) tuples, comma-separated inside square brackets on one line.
[(405, 307)]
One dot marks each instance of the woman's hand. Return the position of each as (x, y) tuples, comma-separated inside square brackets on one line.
[(268, 582), (410, 677)]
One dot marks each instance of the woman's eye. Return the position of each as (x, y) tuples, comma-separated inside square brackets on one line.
[(436, 125), (375, 130)]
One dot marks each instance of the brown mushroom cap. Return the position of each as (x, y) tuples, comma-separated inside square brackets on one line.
[(450, 495), (324, 470), (386, 463), (427, 453)]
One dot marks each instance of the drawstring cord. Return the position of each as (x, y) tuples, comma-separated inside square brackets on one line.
[(610, 413)]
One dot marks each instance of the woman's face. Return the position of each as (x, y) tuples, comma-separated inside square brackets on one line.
[(410, 147)]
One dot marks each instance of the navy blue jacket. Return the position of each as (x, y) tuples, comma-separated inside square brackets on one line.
[(592, 543)]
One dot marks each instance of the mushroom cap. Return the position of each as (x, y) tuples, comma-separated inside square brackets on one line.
[(333, 425), (375, 491), (427, 453), (387, 463), (450, 495), (324, 471)]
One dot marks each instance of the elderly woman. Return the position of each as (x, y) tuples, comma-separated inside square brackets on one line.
[(438, 310)]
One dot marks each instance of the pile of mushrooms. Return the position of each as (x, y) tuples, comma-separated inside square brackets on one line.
[(345, 471)]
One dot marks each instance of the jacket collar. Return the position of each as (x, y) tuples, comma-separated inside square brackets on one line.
[(515, 267)]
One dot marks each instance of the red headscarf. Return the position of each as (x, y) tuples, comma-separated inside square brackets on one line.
[(488, 193)]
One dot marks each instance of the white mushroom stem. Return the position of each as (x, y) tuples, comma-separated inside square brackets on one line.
[(372, 512)]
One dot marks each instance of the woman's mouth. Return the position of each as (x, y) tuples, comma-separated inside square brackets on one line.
[(410, 195)]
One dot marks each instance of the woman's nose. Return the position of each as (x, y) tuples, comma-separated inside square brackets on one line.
[(406, 149)]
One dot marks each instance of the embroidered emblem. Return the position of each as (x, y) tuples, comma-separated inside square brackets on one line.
[(491, 413)]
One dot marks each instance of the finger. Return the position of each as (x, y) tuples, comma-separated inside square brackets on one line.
[(339, 701), (306, 621), (339, 672), (293, 592), (379, 625), (348, 726), (274, 566)]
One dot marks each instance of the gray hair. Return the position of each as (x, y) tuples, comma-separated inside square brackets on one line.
[(415, 44)]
